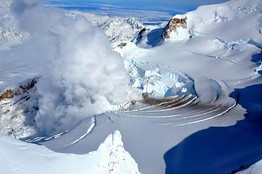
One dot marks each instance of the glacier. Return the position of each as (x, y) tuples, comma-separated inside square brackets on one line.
[(115, 79)]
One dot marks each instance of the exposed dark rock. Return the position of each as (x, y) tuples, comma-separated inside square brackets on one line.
[(121, 45), (10, 93), (172, 25)]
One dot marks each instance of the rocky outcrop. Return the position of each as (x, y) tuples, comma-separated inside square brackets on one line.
[(141, 34), (18, 108), (176, 29), (121, 45), (173, 25), (10, 93)]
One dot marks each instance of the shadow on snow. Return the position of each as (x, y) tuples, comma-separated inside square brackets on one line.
[(222, 149), (257, 58), (154, 37)]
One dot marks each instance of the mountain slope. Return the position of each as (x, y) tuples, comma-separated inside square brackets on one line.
[(198, 75), (25, 158), (218, 59)]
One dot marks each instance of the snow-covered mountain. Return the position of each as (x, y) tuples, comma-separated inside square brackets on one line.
[(6, 16), (116, 28), (185, 95), (9, 36)]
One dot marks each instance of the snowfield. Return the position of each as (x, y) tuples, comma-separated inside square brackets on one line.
[(83, 93), (110, 157)]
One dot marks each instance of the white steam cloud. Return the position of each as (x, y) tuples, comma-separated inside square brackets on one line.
[(80, 74)]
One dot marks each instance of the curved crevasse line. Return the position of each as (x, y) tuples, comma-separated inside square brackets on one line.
[(192, 102), (183, 116), (164, 104), (42, 139), (201, 120), (181, 110), (89, 130), (168, 112)]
